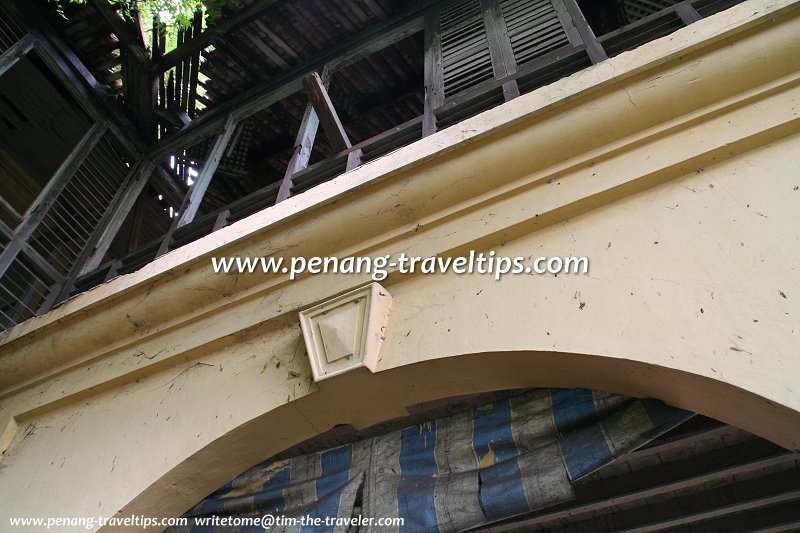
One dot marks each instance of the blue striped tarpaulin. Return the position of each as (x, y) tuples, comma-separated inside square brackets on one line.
[(501, 460)]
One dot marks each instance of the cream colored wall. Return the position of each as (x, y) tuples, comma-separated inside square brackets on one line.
[(673, 168)]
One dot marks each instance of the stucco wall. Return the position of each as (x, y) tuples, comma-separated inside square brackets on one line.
[(673, 168)]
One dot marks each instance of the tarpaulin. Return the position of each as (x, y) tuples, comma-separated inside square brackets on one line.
[(504, 459)]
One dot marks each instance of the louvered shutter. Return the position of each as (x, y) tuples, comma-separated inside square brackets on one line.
[(465, 48), (533, 28)]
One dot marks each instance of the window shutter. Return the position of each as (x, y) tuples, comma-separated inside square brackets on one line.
[(465, 48), (533, 28)]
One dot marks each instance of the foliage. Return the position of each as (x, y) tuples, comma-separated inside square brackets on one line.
[(172, 14)]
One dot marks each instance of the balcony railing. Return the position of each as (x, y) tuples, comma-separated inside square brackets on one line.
[(477, 55)]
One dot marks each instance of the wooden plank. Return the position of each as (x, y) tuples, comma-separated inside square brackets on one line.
[(194, 197), (47, 197), (167, 184), (362, 146), (78, 80), (212, 34), (593, 48), (222, 219), (275, 38), (566, 22), (328, 118), (136, 224), (15, 216), (271, 54), (142, 89), (687, 13), (303, 145), (101, 240), (503, 62), (7, 232), (264, 94), (786, 527), (353, 159), (194, 70), (719, 512), (654, 491), (433, 75), (18, 50), (124, 32)]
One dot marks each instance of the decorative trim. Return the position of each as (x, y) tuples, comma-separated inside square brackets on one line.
[(346, 332)]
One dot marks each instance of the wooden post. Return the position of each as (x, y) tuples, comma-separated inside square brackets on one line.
[(39, 208), (197, 27), (504, 63), (191, 203), (264, 94), (303, 144), (106, 231), (18, 50), (130, 38), (687, 13), (434, 77), (593, 48), (77, 79), (221, 220), (353, 159), (328, 118), (194, 196), (100, 241)]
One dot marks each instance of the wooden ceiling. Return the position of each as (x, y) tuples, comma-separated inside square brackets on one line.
[(372, 96)]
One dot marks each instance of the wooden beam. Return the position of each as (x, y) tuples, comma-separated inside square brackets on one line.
[(222, 220), (654, 491), (78, 80), (374, 38), (239, 60), (593, 48), (194, 67), (566, 23), (433, 74), (212, 34), (107, 231), (353, 159), (8, 208), (271, 54), (59, 180), (18, 50), (719, 512), (171, 117), (167, 184), (39, 208), (687, 13), (129, 37), (303, 145), (194, 197), (504, 64), (328, 118), (141, 91)]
